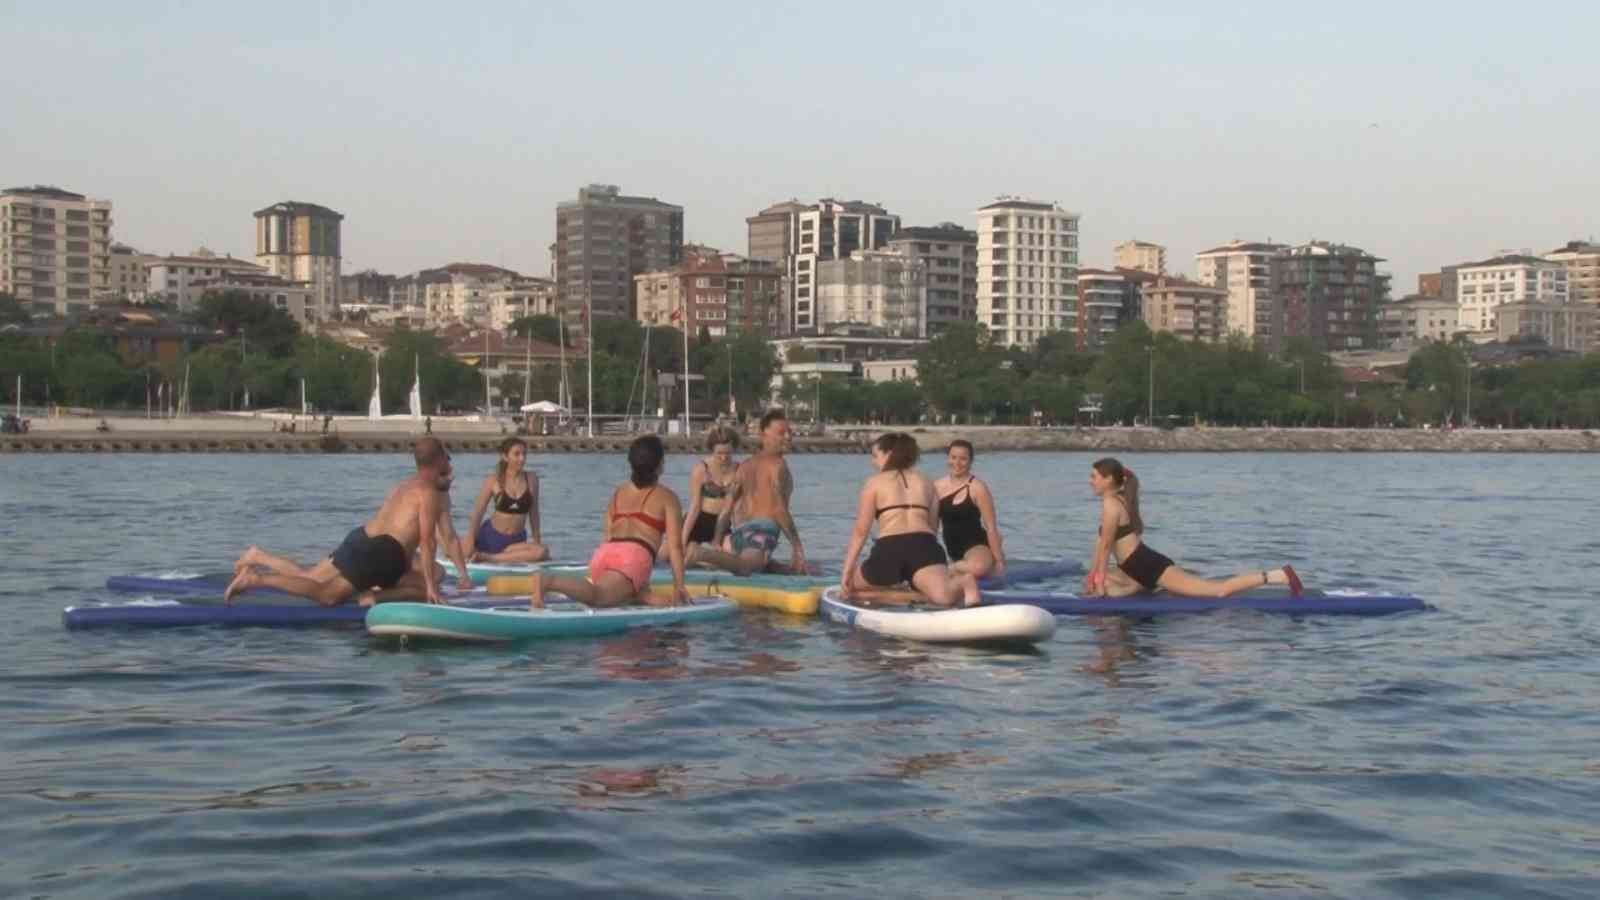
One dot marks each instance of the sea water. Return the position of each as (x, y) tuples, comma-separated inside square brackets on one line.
[(1446, 753)]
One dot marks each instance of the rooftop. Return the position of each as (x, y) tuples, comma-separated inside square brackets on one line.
[(1009, 202), (298, 208), (42, 191), (1577, 247), (944, 231), (1245, 247), (1508, 259)]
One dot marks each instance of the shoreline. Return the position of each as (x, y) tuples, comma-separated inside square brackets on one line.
[(249, 434)]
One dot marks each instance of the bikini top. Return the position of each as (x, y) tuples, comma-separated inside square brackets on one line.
[(903, 483), (1123, 530), (964, 512), (710, 489), (521, 506), (658, 524)]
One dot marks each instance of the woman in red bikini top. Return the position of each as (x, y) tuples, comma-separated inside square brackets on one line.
[(642, 518)]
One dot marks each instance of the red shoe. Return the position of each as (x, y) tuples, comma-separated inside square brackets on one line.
[(1296, 588)]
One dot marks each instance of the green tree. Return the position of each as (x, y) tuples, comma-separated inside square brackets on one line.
[(11, 310), (953, 366), (263, 324), (542, 328)]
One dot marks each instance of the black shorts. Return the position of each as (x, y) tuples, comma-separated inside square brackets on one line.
[(371, 562), (958, 541), (703, 529), (899, 556), (1145, 566)]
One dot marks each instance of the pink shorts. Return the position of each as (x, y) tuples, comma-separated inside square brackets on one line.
[(630, 559)]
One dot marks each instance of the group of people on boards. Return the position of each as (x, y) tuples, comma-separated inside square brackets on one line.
[(935, 538)]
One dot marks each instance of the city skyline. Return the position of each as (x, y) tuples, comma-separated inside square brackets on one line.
[(1416, 137)]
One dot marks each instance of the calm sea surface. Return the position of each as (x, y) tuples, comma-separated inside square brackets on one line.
[(1445, 754)]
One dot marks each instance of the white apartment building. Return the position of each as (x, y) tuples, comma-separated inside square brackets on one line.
[(464, 295), (1142, 255), (1483, 287), (881, 291), (55, 249), (1414, 320), (295, 298), (829, 230), (1564, 326), (180, 281), (1244, 270), (129, 278), (1027, 269), (519, 298), (1582, 259)]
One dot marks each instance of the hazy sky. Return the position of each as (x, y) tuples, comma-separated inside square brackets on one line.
[(1425, 133)]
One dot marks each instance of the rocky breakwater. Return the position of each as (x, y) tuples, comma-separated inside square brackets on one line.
[(1251, 440), (172, 441)]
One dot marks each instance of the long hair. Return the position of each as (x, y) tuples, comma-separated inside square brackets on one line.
[(902, 450), (722, 434), (500, 467), (644, 459), (1127, 487)]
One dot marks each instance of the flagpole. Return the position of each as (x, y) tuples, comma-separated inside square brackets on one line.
[(588, 337), (686, 418), (527, 354)]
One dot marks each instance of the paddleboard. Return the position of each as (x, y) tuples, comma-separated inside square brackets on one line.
[(1345, 603), (793, 594), (253, 608), (1010, 623), (512, 623)]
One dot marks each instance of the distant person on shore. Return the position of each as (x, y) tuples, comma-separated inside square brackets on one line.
[(641, 518), (901, 501), (713, 491), (967, 516), (376, 555), (1141, 569), (761, 512), (511, 534)]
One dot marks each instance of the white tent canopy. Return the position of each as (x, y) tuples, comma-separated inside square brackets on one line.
[(544, 407)]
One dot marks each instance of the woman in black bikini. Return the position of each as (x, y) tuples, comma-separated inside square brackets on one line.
[(967, 517), (901, 501), (713, 490), (1140, 568), (511, 534)]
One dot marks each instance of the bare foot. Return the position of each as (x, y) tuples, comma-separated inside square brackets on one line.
[(536, 592), (246, 559), (241, 582), (368, 598), (969, 591)]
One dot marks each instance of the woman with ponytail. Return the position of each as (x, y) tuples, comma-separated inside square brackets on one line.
[(511, 534), (1140, 568)]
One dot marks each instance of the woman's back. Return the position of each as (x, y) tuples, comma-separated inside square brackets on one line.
[(904, 500), (639, 514)]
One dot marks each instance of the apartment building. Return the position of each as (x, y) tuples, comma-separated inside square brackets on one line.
[(1485, 286), (129, 276), (828, 230), (605, 238), (1142, 256), (949, 254), (1106, 299), (1027, 269), (722, 293), (1244, 270), (1564, 326), (370, 288), (297, 299), (301, 242), (1582, 259), (180, 281), (1330, 293), (871, 291), (55, 249), (1189, 309), (463, 295), (520, 297), (1413, 320)]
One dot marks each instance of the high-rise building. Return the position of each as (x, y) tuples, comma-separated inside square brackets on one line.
[(605, 238), (1027, 269), (949, 254), (826, 230), (1329, 293), (1244, 270), (1483, 287), (300, 242), (55, 248), (1188, 309), (1582, 259), (1143, 256), (720, 292), (872, 291)]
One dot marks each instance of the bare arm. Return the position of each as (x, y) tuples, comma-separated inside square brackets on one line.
[(427, 520), (535, 529), (1096, 579), (725, 517), (674, 541), (696, 480), (991, 523), (605, 524), (866, 509), (452, 543), (786, 519), (478, 506)]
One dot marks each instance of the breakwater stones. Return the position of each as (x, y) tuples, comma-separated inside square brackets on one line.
[(350, 442)]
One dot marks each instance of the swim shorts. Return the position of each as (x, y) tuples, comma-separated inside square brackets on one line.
[(756, 534), (704, 528), (369, 562), (490, 539), (894, 559), (631, 559), (1145, 566)]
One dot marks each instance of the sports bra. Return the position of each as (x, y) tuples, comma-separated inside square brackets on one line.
[(709, 488), (521, 506), (1123, 530), (639, 515), (883, 509)]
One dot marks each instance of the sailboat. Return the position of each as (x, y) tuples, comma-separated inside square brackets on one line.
[(375, 405), (416, 388)]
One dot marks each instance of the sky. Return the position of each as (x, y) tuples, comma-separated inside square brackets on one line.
[(1423, 133)]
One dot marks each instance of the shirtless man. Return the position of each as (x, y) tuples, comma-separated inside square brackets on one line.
[(378, 554), (762, 487)]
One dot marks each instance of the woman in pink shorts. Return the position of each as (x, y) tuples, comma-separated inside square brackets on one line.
[(642, 517)]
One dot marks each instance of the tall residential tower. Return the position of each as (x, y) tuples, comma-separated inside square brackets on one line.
[(605, 238), (55, 249), (1027, 269), (300, 242)]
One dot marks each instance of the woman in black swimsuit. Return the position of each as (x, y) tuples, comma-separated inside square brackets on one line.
[(1141, 569), (712, 489), (967, 517), (511, 534), (901, 501)]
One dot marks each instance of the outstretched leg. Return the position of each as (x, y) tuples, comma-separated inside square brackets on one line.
[(1185, 584), (282, 565), (749, 562), (328, 593), (610, 589), (525, 552)]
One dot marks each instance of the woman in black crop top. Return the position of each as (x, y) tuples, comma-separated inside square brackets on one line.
[(1140, 568), (967, 517), (901, 501), (511, 534), (713, 490)]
